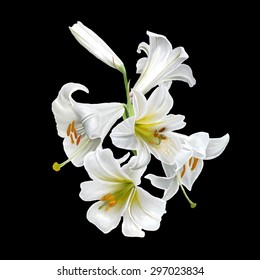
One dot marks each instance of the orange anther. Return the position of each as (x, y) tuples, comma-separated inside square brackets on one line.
[(112, 203), (195, 162), (68, 129), (75, 133), (106, 197), (183, 170), (162, 129), (190, 160), (156, 133), (72, 125)]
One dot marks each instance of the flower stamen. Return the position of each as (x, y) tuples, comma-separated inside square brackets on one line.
[(57, 166), (73, 134), (195, 162), (152, 137), (111, 199), (183, 170), (162, 129), (69, 130)]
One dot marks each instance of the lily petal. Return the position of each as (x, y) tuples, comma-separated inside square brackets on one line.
[(62, 107), (109, 114), (77, 153), (105, 220), (123, 136), (216, 146), (147, 210), (130, 228), (174, 122), (134, 174), (93, 190), (180, 159), (159, 182), (103, 167), (198, 143), (143, 156), (170, 185), (183, 73), (160, 103)]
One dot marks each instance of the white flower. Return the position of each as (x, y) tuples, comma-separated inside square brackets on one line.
[(149, 131), (83, 126), (198, 147), (161, 64), (95, 45), (118, 193)]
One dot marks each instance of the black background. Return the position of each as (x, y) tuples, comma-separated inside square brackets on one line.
[(42, 215)]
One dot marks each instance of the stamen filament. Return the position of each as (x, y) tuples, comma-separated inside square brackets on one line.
[(192, 204), (78, 140), (57, 166), (71, 139)]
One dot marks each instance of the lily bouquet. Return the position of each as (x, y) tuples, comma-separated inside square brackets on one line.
[(147, 130)]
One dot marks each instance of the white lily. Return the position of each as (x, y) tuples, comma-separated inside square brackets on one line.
[(83, 126), (95, 45), (149, 131), (161, 64), (118, 193), (199, 147)]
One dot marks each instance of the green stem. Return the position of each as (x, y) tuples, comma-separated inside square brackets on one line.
[(129, 106), (126, 87), (192, 204)]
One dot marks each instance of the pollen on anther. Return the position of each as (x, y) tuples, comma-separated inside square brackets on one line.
[(75, 133), (106, 197), (183, 170), (195, 162), (162, 129), (112, 203), (190, 160), (72, 125), (68, 129)]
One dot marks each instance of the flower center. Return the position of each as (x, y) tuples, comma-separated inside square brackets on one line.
[(120, 196), (149, 135), (72, 133)]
